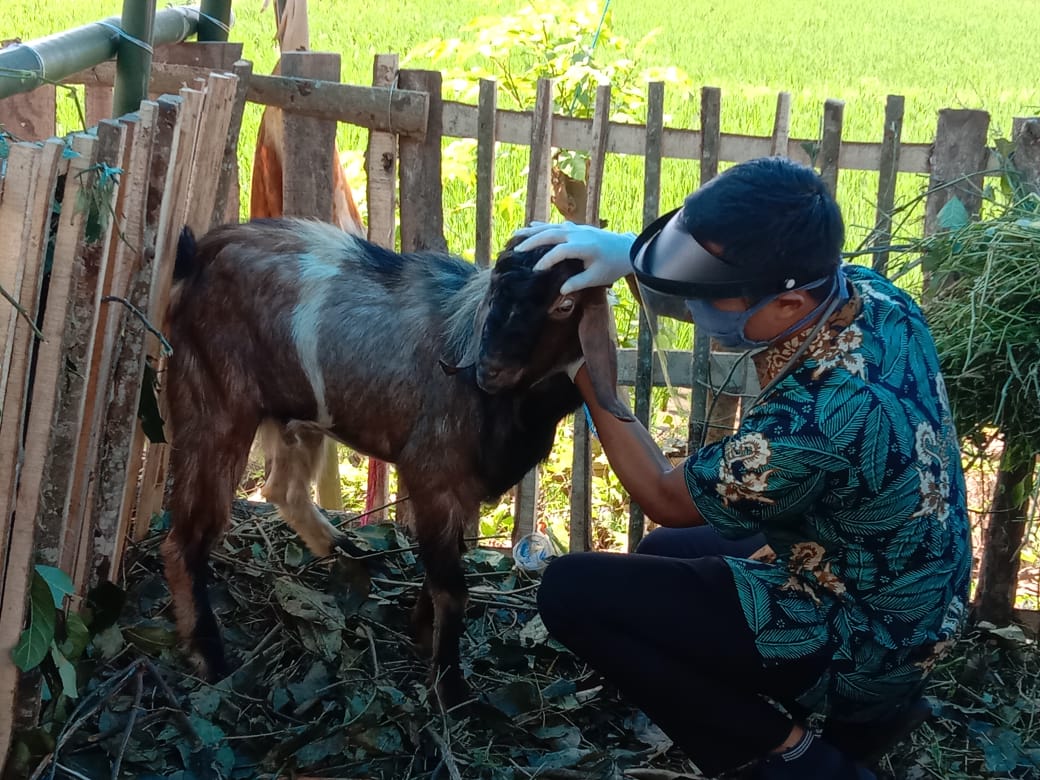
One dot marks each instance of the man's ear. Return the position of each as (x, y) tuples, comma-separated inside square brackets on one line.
[(793, 305)]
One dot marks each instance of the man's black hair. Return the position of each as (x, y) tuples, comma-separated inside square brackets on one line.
[(770, 215)]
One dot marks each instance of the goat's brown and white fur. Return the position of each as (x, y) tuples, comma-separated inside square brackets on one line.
[(298, 330)]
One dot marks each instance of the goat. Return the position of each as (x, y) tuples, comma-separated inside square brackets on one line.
[(300, 330)]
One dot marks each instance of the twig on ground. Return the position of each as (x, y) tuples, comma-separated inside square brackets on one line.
[(135, 710)]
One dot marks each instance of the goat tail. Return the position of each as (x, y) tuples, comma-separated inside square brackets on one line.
[(186, 262)]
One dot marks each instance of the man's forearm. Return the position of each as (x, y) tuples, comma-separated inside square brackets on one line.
[(644, 471)]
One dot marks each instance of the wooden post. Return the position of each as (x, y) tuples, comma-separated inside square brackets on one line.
[(781, 125), (958, 158), (422, 199), (487, 108), (581, 466), (381, 164), (647, 321), (536, 208), (307, 191), (887, 175), (830, 143)]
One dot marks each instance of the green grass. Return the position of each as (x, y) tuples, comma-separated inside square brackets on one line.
[(974, 54)]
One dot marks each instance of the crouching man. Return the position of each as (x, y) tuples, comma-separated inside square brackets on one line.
[(846, 465)]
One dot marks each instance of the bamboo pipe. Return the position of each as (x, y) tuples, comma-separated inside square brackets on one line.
[(25, 66)]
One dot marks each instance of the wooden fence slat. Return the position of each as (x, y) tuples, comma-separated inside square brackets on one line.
[(122, 444), (81, 525), (381, 165), (422, 215), (958, 158), (699, 426), (381, 195), (830, 143), (647, 322), (781, 125), (887, 175), (227, 205), (307, 191), (1025, 132), (536, 208), (581, 466), (46, 388), (210, 153), (86, 237), (29, 116), (25, 215), (487, 107), (172, 217)]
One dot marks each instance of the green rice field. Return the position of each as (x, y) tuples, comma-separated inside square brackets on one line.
[(977, 54)]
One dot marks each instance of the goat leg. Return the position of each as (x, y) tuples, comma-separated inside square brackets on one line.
[(444, 593), (204, 481)]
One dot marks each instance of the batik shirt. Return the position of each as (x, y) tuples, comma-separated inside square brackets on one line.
[(850, 467)]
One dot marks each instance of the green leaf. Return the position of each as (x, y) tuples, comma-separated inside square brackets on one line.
[(67, 673), (37, 638), (60, 583), (77, 637), (953, 215)]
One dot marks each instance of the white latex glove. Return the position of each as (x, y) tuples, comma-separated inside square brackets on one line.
[(605, 254)]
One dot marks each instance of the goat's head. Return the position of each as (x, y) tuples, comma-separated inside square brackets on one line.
[(530, 330)]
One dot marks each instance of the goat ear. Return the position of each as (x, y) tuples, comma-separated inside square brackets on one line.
[(597, 344)]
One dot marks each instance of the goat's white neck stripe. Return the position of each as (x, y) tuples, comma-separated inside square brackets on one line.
[(315, 273)]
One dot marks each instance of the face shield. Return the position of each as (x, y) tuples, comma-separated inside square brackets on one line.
[(679, 279)]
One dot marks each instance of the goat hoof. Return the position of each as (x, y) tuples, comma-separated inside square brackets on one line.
[(452, 689), (342, 542)]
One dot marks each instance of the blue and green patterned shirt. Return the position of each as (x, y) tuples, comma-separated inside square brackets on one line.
[(850, 467)]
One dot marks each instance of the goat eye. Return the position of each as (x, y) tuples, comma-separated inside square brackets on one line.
[(564, 305)]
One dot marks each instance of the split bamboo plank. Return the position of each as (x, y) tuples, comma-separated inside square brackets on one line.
[(81, 545), (86, 237), (227, 205), (209, 151), (172, 217), (122, 446), (25, 217), (46, 388)]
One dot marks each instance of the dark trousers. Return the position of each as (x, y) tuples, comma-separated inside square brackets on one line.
[(665, 626)]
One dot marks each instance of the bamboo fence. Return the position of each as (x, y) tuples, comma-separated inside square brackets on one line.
[(78, 478)]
